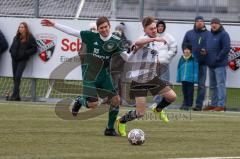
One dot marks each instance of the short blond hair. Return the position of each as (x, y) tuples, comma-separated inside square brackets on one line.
[(148, 21)]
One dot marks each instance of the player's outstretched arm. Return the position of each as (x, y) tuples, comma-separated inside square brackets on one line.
[(143, 41), (63, 28), (126, 56)]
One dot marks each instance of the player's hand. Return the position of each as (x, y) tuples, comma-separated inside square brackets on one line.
[(48, 23), (135, 48)]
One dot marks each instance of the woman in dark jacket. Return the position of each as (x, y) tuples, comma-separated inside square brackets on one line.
[(23, 47)]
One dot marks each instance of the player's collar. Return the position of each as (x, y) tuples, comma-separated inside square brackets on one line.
[(105, 38)]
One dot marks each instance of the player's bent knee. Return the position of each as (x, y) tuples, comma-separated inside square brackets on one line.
[(92, 105), (171, 96), (115, 101)]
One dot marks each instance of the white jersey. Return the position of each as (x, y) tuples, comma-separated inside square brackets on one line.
[(142, 66)]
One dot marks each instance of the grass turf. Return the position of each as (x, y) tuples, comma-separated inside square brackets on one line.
[(73, 89), (30, 131)]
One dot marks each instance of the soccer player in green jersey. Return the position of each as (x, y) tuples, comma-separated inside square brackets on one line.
[(95, 67)]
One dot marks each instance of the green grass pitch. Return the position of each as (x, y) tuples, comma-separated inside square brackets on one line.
[(33, 131)]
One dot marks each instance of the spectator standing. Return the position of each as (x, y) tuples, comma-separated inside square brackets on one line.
[(187, 74), (218, 47), (23, 47), (168, 51), (3, 43), (117, 62), (197, 38)]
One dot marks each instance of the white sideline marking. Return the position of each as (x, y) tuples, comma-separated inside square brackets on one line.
[(209, 158), (218, 115)]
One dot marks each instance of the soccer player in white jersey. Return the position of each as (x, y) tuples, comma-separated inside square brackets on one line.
[(144, 73)]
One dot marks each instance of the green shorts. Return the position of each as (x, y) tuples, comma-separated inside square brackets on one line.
[(99, 88)]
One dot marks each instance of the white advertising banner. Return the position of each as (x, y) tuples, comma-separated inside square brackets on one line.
[(57, 47)]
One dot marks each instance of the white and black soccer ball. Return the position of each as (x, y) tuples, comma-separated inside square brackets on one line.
[(136, 137)]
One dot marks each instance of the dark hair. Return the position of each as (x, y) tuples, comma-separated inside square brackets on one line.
[(163, 23), (187, 46), (147, 21), (102, 20), (26, 37)]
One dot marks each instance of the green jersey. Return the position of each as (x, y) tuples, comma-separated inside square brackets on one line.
[(98, 53)]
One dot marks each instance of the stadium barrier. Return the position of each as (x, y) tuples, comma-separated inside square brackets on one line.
[(59, 47)]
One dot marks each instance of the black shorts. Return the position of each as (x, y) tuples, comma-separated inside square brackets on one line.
[(154, 86)]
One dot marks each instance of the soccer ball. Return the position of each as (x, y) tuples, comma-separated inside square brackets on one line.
[(136, 137)]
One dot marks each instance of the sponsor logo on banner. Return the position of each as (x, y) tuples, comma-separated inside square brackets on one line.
[(46, 45), (234, 56), (67, 45)]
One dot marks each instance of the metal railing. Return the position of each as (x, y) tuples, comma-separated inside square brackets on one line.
[(226, 10)]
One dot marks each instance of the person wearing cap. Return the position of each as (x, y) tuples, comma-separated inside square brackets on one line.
[(120, 30), (166, 54), (93, 27), (197, 38), (187, 74), (217, 48)]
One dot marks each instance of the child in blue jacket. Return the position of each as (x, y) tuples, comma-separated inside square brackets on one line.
[(187, 74)]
